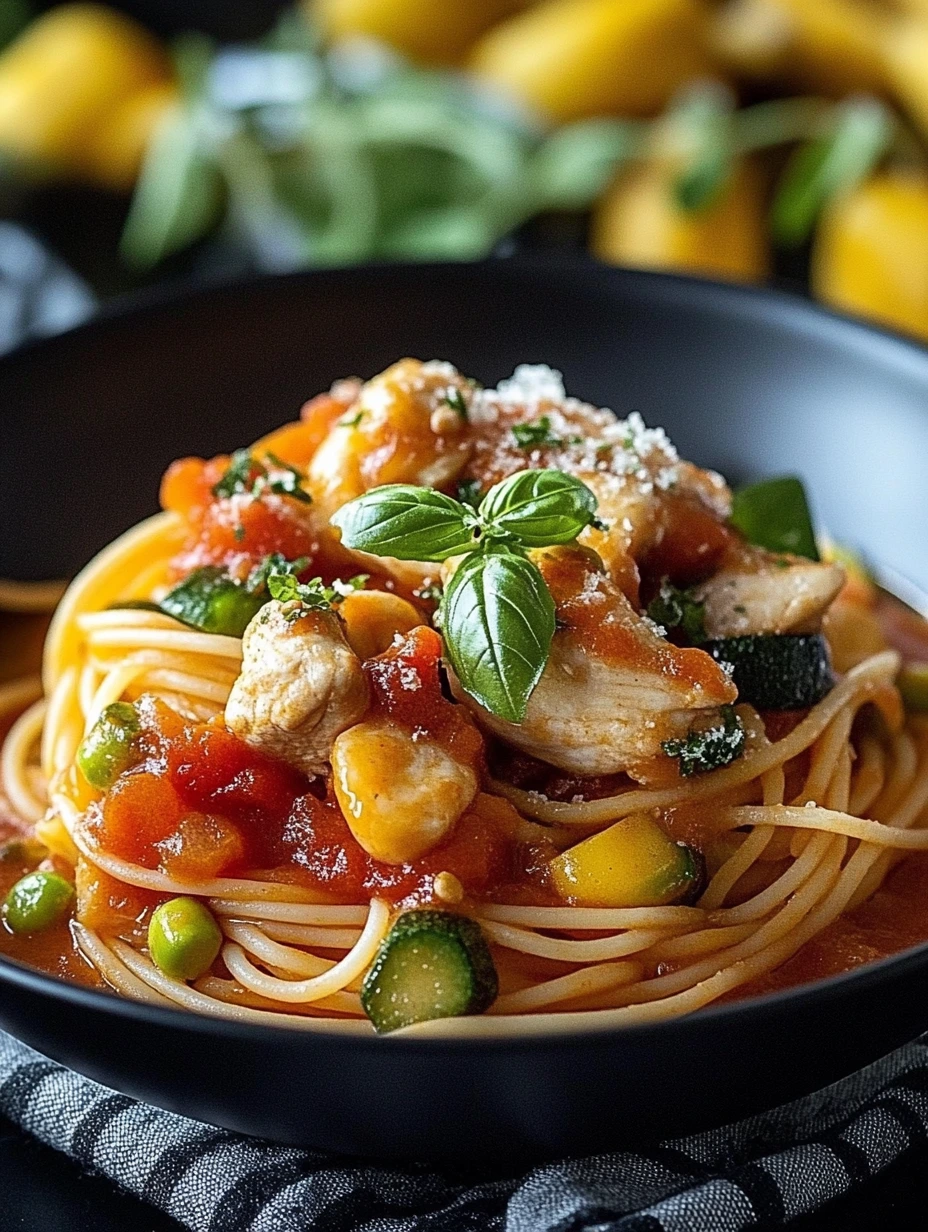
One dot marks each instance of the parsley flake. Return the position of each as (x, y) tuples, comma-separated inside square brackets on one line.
[(470, 492), (529, 435), (677, 609), (312, 596), (275, 563), (711, 748), (455, 399), (246, 475)]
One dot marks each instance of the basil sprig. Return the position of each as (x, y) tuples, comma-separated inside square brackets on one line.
[(497, 615)]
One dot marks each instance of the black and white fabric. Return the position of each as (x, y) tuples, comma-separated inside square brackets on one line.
[(39, 294), (764, 1171)]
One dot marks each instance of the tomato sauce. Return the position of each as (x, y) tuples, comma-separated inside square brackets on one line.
[(202, 804), (52, 950)]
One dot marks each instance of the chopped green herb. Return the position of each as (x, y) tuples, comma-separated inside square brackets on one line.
[(711, 748), (351, 421), (239, 477), (287, 484), (529, 435), (470, 492), (246, 475), (312, 596), (455, 399), (275, 563), (677, 609)]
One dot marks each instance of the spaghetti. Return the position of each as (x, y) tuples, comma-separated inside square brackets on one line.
[(801, 826)]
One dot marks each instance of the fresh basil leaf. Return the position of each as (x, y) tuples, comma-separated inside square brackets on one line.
[(497, 619), (540, 433), (832, 163), (774, 514), (408, 523), (540, 508)]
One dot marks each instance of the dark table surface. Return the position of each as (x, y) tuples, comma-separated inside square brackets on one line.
[(41, 1191)]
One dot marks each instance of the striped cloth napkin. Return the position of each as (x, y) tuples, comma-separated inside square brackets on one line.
[(765, 1170)]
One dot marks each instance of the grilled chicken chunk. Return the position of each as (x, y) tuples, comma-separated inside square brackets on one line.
[(613, 689), (757, 592), (408, 425), (301, 685)]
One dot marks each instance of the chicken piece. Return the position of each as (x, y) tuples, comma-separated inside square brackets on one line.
[(648, 498), (401, 793), (758, 592), (301, 685), (408, 425), (613, 689)]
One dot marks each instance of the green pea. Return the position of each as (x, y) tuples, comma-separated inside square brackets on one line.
[(212, 601), (37, 901), (107, 750), (183, 938)]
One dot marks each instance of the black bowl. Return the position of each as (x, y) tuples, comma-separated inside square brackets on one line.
[(747, 381)]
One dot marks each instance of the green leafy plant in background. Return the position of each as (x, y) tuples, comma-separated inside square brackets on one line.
[(309, 155), (315, 157)]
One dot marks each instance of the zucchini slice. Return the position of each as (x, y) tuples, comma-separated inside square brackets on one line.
[(632, 864), (431, 964), (212, 601), (776, 671)]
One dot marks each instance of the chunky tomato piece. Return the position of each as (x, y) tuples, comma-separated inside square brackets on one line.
[(237, 531), (406, 685), (203, 846), (318, 846), (112, 907), (204, 804), (188, 484), (214, 771), (140, 811)]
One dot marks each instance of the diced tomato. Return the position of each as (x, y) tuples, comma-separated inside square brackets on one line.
[(203, 804), (109, 906), (140, 811), (238, 532), (406, 685), (214, 771), (203, 846), (188, 483), (319, 848)]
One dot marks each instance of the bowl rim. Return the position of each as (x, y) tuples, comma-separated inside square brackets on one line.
[(784, 308)]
